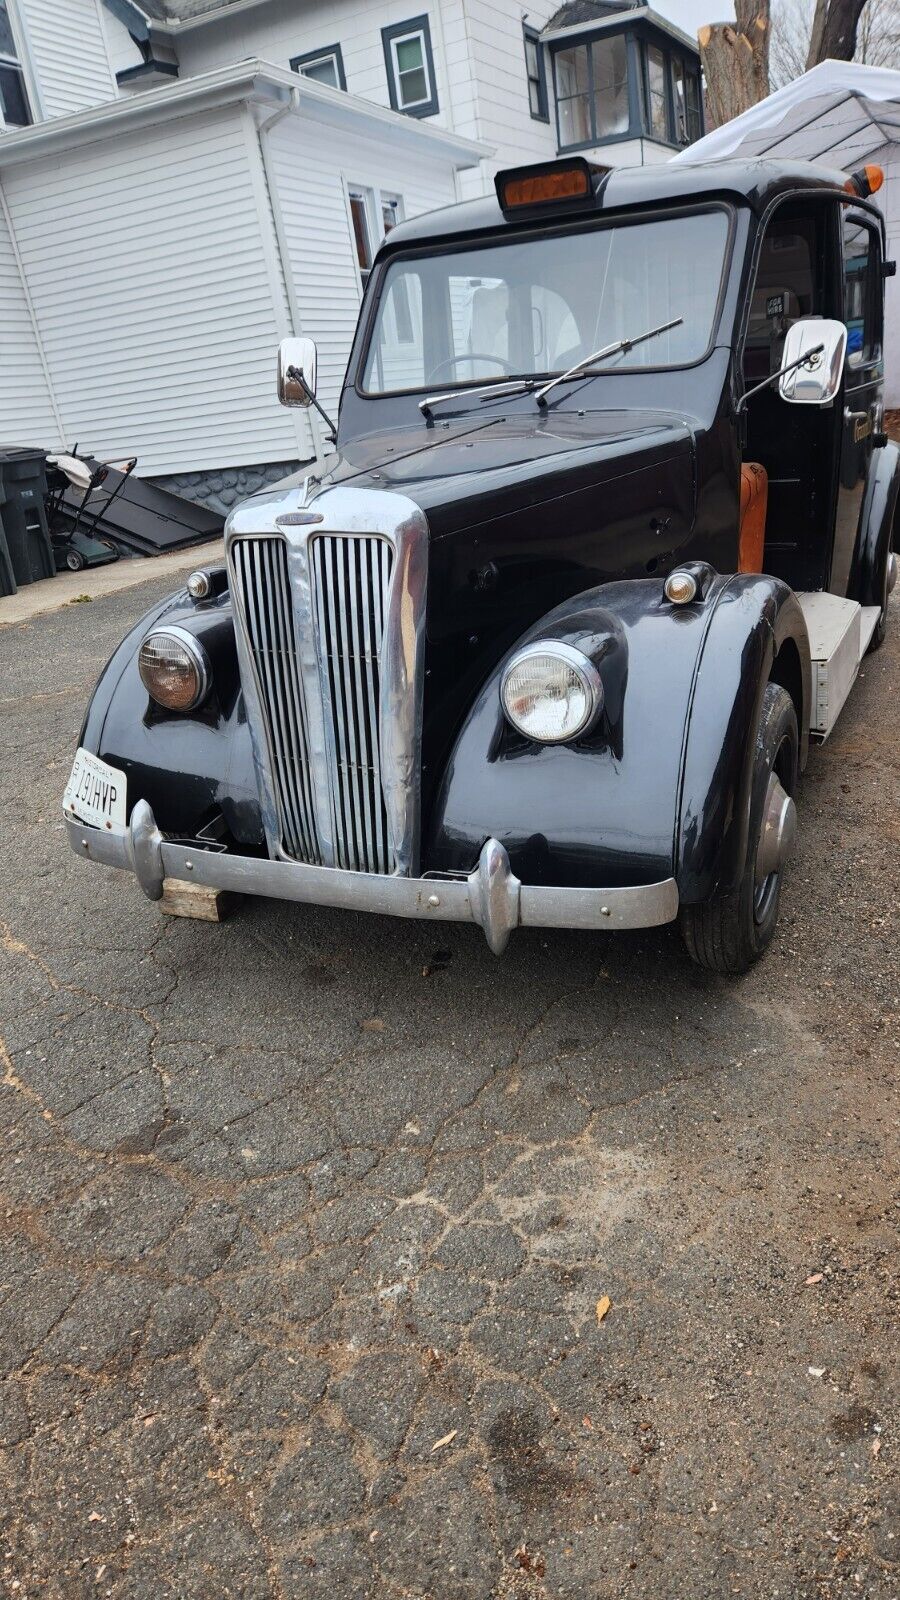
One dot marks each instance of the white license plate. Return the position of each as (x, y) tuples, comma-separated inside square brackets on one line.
[(95, 793)]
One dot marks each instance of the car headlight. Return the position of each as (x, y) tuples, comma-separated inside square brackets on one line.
[(174, 668), (551, 692)]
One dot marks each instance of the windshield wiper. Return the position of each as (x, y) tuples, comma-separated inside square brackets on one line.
[(511, 385), (581, 367)]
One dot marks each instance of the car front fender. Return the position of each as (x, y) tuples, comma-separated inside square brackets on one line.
[(661, 786)]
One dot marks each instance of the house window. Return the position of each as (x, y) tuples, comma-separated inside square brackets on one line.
[(537, 77), (326, 66), (592, 91), (15, 111), (373, 213), (657, 109), (410, 67), (686, 102)]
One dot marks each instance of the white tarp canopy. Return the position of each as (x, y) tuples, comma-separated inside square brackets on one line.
[(838, 113)]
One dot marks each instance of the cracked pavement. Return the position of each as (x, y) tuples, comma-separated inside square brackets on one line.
[(304, 1220)]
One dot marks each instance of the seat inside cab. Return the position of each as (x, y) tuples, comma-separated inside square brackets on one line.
[(788, 458)]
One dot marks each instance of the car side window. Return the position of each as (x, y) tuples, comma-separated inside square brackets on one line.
[(861, 297), (789, 285)]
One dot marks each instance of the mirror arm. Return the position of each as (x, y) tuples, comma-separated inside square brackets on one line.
[(296, 376), (804, 361)]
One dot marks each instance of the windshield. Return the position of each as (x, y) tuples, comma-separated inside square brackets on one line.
[(537, 306)]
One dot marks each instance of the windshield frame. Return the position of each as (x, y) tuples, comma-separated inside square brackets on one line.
[(565, 227)]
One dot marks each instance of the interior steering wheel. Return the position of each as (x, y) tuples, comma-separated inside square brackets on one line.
[(454, 361)]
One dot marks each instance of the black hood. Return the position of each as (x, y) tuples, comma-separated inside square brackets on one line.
[(468, 470)]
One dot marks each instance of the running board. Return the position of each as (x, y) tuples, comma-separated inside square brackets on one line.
[(839, 635)]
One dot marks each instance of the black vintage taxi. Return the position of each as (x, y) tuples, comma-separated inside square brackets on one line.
[(608, 529)]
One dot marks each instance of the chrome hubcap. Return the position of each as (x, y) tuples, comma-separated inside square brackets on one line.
[(778, 830), (891, 572)]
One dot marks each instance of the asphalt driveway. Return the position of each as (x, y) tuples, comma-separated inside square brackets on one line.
[(308, 1223)]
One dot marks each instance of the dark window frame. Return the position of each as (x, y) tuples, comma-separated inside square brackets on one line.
[(638, 37), (532, 36), (309, 58), (401, 30), (12, 63)]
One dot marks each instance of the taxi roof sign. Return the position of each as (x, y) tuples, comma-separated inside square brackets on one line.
[(571, 183)]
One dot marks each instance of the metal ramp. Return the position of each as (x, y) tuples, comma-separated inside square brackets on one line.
[(839, 635)]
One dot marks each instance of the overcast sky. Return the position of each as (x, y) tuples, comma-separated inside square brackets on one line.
[(691, 14)]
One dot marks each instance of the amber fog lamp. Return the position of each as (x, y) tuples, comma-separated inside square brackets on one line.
[(174, 668), (680, 588), (551, 692)]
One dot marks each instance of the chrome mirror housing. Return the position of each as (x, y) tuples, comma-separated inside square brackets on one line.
[(817, 380), (296, 356)]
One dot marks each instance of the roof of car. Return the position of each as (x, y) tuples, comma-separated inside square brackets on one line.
[(754, 182)]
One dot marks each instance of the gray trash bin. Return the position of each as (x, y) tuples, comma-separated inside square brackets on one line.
[(23, 480)]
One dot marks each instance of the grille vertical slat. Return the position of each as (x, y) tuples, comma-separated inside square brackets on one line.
[(264, 584), (350, 578)]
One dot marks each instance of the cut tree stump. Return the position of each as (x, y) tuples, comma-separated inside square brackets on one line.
[(180, 899)]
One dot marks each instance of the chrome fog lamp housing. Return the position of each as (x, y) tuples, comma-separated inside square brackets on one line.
[(680, 587), (174, 668), (551, 692), (199, 584)]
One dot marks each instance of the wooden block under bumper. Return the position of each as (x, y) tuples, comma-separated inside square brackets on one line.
[(196, 900)]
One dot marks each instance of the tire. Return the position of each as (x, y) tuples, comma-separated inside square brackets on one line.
[(729, 931), (880, 634), (74, 560)]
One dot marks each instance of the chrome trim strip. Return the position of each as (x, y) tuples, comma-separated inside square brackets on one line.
[(492, 896)]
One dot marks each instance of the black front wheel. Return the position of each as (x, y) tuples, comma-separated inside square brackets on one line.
[(730, 931), (888, 579)]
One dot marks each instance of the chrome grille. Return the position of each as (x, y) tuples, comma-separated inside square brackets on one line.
[(350, 592), (264, 592)]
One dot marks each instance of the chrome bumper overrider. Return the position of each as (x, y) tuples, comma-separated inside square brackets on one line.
[(491, 896)]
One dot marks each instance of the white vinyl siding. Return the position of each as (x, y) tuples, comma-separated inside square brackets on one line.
[(153, 289), (26, 412), (68, 52), (313, 168), (281, 30)]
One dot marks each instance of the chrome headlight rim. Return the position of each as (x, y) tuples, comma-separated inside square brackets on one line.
[(581, 664), (198, 657)]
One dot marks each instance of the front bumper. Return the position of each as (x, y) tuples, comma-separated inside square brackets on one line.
[(491, 896)]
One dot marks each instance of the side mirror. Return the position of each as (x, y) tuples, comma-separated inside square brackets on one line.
[(298, 355), (817, 380)]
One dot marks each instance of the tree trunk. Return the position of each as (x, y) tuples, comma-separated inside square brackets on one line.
[(736, 61), (838, 42)]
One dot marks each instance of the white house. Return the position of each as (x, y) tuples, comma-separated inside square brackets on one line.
[(183, 182), (846, 116)]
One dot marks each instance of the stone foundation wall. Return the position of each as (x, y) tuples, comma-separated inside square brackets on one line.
[(223, 488)]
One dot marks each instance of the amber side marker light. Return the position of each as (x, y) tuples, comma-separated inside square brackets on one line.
[(570, 182), (865, 181)]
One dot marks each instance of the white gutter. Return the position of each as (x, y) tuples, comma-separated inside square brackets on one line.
[(182, 24), (254, 79)]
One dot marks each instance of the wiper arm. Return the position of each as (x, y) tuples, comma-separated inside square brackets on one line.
[(581, 367), (512, 385)]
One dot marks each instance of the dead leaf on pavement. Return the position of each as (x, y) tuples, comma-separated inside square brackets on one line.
[(603, 1305), (447, 1439), (814, 1277)]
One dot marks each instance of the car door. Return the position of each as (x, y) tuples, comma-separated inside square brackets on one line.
[(863, 381)]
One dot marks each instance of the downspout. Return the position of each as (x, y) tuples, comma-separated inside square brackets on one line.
[(29, 303), (265, 128)]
